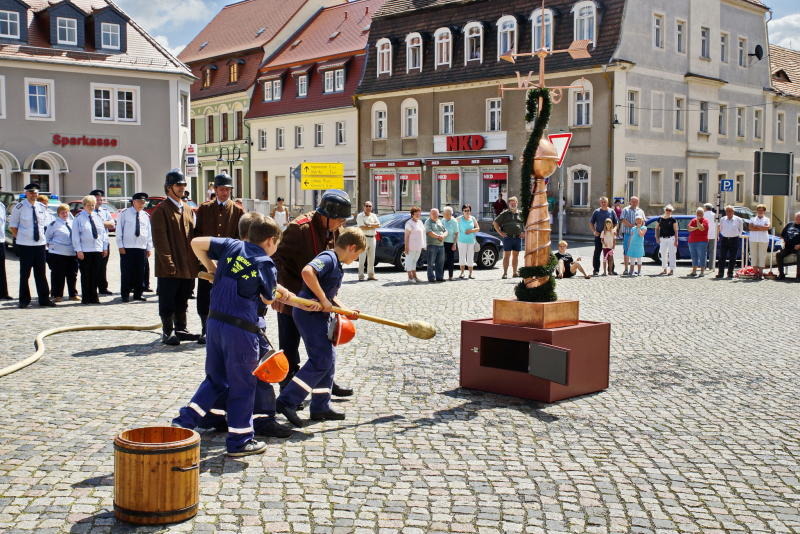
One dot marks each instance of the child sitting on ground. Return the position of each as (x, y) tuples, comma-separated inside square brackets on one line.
[(567, 267)]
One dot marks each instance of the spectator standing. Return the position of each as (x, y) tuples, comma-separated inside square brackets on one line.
[(636, 245), (698, 241), (414, 242), (667, 228), (280, 214), (499, 205), (61, 256), (509, 226), (730, 233), (791, 245), (627, 221), (435, 233), (596, 225), (467, 228), (567, 267), (710, 215), (3, 280), (759, 239), (90, 240), (28, 222), (109, 225), (369, 223), (609, 238), (210, 194), (618, 207), (450, 240), (135, 242)]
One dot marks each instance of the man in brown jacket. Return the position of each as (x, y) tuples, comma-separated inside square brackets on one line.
[(176, 265), (216, 218)]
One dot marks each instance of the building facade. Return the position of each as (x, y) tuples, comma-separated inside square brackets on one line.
[(785, 69), (87, 100)]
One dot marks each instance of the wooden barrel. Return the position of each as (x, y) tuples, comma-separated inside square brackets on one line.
[(156, 475)]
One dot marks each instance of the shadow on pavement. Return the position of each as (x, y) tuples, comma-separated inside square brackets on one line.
[(376, 421), (137, 349)]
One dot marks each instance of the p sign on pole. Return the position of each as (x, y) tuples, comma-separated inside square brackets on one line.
[(561, 142)]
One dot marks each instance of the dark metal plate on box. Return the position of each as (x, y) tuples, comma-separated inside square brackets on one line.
[(548, 362)]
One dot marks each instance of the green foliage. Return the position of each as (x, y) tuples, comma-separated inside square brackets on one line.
[(542, 270), (544, 293), (540, 120)]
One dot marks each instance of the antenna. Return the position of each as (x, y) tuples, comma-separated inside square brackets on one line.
[(758, 53)]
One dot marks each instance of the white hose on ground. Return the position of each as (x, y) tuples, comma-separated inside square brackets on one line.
[(40, 347)]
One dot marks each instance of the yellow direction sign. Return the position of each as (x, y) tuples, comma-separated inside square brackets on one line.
[(317, 176)]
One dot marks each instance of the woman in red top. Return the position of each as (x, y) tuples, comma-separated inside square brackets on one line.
[(698, 242)]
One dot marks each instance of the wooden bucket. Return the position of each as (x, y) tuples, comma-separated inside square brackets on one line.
[(156, 475)]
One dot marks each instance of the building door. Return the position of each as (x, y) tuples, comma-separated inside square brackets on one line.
[(42, 174), (264, 185), (470, 193)]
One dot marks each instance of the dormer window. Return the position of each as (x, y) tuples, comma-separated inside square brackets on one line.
[(384, 47), (506, 35), (302, 85), (334, 81), (585, 14), (233, 72), (207, 78), (9, 24), (536, 21), (413, 52), (473, 42), (67, 31), (109, 36), (443, 47)]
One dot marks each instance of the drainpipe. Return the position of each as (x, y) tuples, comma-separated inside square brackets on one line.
[(610, 84)]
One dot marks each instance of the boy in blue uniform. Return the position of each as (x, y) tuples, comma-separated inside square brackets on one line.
[(244, 278), (322, 278)]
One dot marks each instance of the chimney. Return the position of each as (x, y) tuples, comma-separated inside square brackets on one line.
[(345, 15)]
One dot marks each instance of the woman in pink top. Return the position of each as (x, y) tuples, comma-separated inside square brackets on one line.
[(698, 242), (414, 243)]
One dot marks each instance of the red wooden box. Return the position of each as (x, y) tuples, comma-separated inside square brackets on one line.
[(499, 359)]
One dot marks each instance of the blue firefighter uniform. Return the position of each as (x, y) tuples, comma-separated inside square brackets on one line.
[(244, 274), (316, 376)]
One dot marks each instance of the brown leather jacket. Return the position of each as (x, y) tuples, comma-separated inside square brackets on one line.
[(218, 220), (303, 239), (172, 235)]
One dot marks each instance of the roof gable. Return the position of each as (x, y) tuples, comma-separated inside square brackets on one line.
[(785, 68)]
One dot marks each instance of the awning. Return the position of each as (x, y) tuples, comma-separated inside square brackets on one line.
[(495, 176), (274, 75), (333, 64), (377, 164), (447, 176), (383, 177), (462, 162), (410, 176)]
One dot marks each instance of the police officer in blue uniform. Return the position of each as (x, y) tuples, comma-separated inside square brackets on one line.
[(135, 242), (109, 225), (28, 224)]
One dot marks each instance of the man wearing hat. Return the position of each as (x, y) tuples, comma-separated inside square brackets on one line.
[(108, 222), (176, 265), (28, 223), (218, 217), (135, 242)]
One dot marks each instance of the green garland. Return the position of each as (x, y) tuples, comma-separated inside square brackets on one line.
[(542, 270), (544, 293), (540, 119)]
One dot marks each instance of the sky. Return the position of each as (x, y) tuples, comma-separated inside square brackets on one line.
[(175, 22)]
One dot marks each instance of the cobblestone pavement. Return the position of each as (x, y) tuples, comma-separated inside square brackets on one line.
[(698, 431)]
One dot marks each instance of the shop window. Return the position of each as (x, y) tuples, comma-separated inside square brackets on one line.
[(473, 42), (384, 47), (585, 17), (116, 178), (506, 35), (536, 21), (410, 187), (384, 190), (448, 182), (443, 39), (580, 175)]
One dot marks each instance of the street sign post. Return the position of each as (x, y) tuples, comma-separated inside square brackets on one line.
[(191, 161), (321, 176), (726, 185), (772, 173), (561, 143)]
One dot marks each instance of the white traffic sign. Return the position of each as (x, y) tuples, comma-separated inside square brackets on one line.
[(561, 142)]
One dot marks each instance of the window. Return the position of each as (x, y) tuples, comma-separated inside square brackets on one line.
[(239, 125), (581, 103), (798, 120), (680, 36), (126, 105), (193, 132), (779, 125), (102, 104), (39, 99), (742, 53), (655, 186), (680, 113), (338, 80), (207, 78), (723, 47), (298, 137), (506, 35), (328, 81), (223, 120), (2, 97), (658, 31), (109, 35), (279, 138), (757, 123), (677, 187), (9, 24), (341, 135), (272, 90), (67, 31), (262, 139), (704, 117), (473, 42), (585, 14), (183, 101), (233, 72), (413, 52), (702, 187), (740, 131), (633, 108), (723, 120), (379, 121), (118, 178), (319, 135), (536, 22), (657, 111), (443, 47), (210, 129), (705, 43), (384, 47), (302, 85), (447, 117), (738, 189), (494, 115), (631, 184), (409, 108), (580, 186)]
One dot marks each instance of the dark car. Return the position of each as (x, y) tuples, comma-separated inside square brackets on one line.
[(390, 237), (651, 247)]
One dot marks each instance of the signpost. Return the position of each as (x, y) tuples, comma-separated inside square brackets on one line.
[(726, 185), (561, 143), (772, 173), (191, 161), (321, 176)]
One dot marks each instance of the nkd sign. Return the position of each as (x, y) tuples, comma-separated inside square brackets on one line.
[(469, 142), (465, 143)]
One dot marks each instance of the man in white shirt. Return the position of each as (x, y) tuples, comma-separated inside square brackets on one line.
[(759, 239), (28, 222), (730, 233), (135, 242), (108, 223), (369, 223), (710, 216)]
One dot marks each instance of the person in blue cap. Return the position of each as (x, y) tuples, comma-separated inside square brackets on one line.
[(28, 223), (135, 242), (244, 278), (322, 278)]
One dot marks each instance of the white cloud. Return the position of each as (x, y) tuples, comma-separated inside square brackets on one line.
[(785, 31), (157, 14), (164, 41)]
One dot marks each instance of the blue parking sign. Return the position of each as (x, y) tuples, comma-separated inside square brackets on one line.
[(726, 185)]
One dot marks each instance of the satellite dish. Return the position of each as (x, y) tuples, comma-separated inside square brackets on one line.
[(758, 53)]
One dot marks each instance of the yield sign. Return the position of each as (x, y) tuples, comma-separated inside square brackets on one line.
[(561, 143)]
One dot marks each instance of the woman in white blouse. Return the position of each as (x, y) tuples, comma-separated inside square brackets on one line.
[(414, 243)]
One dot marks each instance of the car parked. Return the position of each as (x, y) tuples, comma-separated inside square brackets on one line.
[(389, 244), (651, 246)]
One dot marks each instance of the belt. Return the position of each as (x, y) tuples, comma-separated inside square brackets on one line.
[(369, 236), (234, 321)]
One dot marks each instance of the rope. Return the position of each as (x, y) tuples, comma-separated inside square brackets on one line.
[(40, 346)]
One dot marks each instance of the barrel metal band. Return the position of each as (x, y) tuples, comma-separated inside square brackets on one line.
[(156, 451), (140, 513)]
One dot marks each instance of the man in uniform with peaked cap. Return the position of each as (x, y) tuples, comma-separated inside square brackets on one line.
[(28, 222)]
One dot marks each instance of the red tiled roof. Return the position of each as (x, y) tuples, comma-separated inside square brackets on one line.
[(242, 26), (219, 78), (788, 61), (335, 31), (143, 52)]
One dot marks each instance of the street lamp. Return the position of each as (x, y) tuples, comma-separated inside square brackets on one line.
[(232, 155)]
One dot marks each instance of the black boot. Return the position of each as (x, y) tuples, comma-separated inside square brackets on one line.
[(180, 327), (168, 336), (202, 339), (289, 412), (270, 428), (339, 391)]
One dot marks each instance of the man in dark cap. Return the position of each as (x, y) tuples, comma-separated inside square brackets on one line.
[(108, 222), (28, 223), (135, 242), (304, 238), (176, 265), (218, 217)]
